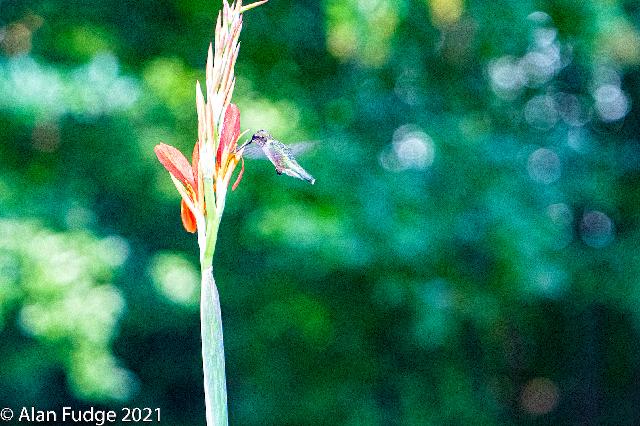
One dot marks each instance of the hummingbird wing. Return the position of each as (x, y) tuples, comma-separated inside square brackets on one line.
[(300, 148), (254, 152)]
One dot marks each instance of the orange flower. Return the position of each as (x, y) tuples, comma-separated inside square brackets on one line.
[(228, 144), (216, 153), (186, 176)]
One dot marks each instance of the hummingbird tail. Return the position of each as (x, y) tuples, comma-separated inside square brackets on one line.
[(300, 173), (306, 176)]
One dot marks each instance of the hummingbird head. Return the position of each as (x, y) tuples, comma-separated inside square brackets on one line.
[(261, 137)]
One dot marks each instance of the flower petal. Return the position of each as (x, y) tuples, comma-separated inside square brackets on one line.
[(195, 159), (239, 178), (188, 218), (230, 130), (175, 163)]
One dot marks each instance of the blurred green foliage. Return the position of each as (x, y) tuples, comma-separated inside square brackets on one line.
[(468, 255)]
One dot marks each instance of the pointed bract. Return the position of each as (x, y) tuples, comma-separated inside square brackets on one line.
[(200, 108), (252, 5), (209, 73)]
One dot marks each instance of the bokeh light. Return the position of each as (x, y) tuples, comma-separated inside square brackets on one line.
[(596, 229), (411, 149), (176, 278), (539, 396), (611, 103), (544, 166)]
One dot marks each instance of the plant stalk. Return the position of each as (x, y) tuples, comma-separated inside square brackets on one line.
[(215, 386), (212, 223)]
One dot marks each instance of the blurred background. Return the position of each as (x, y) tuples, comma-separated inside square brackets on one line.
[(468, 255)]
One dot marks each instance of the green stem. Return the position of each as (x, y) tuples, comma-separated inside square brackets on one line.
[(215, 387), (210, 245), (212, 223)]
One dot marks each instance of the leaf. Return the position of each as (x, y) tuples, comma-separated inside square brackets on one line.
[(215, 387)]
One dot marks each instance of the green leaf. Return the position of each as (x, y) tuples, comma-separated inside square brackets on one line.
[(215, 387)]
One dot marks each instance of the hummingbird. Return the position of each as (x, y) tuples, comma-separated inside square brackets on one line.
[(279, 154)]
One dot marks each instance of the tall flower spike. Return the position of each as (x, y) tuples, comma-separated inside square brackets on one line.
[(214, 156), (203, 187)]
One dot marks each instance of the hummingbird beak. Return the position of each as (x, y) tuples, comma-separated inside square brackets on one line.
[(241, 147)]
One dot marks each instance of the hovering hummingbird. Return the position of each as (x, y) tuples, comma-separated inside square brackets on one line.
[(281, 155)]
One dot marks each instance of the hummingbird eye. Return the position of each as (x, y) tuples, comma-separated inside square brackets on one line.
[(260, 137)]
